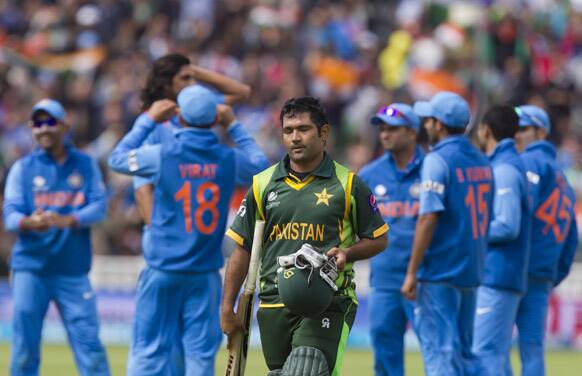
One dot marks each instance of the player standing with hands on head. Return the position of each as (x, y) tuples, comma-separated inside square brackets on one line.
[(52, 197), (450, 237), (308, 202), (395, 181), (169, 75), (554, 234), (194, 177), (506, 261)]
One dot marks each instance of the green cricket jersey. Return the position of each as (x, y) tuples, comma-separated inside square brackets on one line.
[(331, 207)]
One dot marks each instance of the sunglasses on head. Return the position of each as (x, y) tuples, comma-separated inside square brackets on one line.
[(50, 121), (395, 113), (529, 117)]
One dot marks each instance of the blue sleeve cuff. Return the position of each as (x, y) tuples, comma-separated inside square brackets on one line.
[(13, 221)]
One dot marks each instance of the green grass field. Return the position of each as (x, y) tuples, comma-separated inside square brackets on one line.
[(57, 360)]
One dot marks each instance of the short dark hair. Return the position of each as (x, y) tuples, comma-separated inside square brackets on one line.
[(160, 77), (301, 105), (502, 120)]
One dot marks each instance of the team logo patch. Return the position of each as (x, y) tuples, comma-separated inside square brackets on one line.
[(75, 180), (380, 190), (323, 197), (414, 190), (288, 274), (242, 210), (271, 203), (38, 181), (372, 203)]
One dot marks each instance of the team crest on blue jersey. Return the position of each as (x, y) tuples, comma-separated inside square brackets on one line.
[(39, 183), (75, 180), (380, 190), (372, 203), (414, 190)]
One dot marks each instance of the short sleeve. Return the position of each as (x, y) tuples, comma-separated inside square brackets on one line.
[(243, 226), (369, 222), (434, 177)]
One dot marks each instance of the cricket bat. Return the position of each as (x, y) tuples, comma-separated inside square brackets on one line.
[(239, 343)]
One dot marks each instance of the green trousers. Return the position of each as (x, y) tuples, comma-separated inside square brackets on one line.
[(281, 331)]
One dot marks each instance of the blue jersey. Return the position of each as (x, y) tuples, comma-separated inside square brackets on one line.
[(397, 192), (163, 132), (554, 236), (194, 176), (75, 188), (456, 183), (507, 256)]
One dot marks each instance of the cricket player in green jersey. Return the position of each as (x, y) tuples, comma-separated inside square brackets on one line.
[(305, 198)]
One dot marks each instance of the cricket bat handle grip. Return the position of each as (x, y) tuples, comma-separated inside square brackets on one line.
[(255, 260)]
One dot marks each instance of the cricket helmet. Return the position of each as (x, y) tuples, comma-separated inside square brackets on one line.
[(306, 281)]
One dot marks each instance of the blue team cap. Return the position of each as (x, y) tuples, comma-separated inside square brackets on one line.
[(197, 105), (397, 115), (450, 108), (51, 107), (533, 116)]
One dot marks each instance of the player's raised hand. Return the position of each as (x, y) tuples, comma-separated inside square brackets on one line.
[(224, 115), (408, 288), (340, 257), (162, 110)]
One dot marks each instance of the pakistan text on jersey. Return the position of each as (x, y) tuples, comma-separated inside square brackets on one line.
[(197, 170), (58, 199), (297, 231)]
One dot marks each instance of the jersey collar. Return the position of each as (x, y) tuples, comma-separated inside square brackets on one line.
[(544, 146), (503, 146), (413, 164), (324, 170), (460, 139)]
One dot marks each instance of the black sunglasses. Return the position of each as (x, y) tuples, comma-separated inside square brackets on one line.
[(51, 122)]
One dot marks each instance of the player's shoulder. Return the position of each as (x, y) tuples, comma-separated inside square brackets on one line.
[(263, 178), (373, 167), (82, 159), (268, 171), (434, 159)]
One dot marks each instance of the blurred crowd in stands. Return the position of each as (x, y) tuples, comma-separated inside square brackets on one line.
[(355, 55)]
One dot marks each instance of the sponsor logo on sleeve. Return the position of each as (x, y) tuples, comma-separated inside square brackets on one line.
[(132, 161), (242, 210), (372, 203), (432, 186), (532, 178)]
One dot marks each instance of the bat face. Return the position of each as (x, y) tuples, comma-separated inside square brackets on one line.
[(239, 346)]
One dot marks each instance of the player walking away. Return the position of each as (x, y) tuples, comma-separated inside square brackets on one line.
[(395, 180), (52, 197), (506, 261), (554, 236), (455, 201), (194, 177), (169, 75), (305, 198)]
